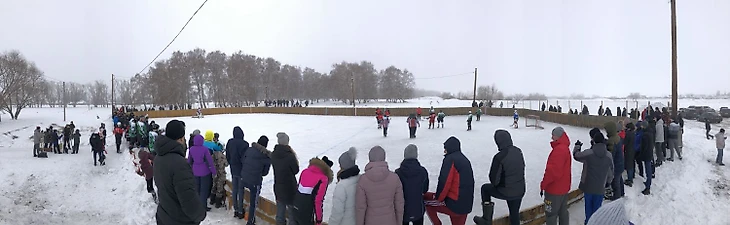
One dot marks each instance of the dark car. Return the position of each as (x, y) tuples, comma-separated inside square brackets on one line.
[(725, 112), (690, 114), (712, 117)]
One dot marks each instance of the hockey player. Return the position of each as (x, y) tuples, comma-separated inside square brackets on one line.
[(516, 118), (479, 114), (418, 112), (118, 132), (431, 111), (468, 122), (142, 132), (384, 124), (413, 124), (152, 136), (431, 120), (440, 119), (132, 134), (102, 134), (379, 117)]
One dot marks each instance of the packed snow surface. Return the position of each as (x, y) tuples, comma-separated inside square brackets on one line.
[(68, 189)]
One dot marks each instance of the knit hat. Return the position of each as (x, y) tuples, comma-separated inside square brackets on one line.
[(722, 130), (599, 138), (282, 138), (377, 154), (347, 159), (209, 135), (558, 132), (613, 213), (327, 161), (411, 152), (263, 141), (175, 129), (195, 132), (594, 131)]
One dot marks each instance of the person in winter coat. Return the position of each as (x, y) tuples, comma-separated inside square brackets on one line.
[(673, 140), (630, 153), (218, 193), (203, 168), (645, 154), (192, 137), (118, 133), (145, 160), (37, 139), (343, 203), (413, 124), (507, 177), (54, 140), (286, 166), (479, 114), (440, 119), (235, 149), (153, 138), (468, 121), (556, 182), (97, 147), (379, 193), (659, 142), (414, 178), (309, 199), (256, 165), (384, 124), (708, 128), (720, 144), (455, 191), (208, 143), (67, 132), (597, 171), (432, 121), (612, 213), (615, 147), (179, 202)]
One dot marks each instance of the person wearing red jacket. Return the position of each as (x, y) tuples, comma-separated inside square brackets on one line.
[(118, 133), (556, 182)]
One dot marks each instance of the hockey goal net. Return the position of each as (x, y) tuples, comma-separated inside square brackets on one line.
[(533, 121)]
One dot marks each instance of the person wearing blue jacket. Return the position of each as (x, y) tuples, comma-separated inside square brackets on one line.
[(414, 178), (256, 165), (235, 149)]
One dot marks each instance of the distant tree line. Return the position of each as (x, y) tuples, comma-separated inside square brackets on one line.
[(241, 79)]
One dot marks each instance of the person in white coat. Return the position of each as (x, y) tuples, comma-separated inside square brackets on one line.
[(343, 205), (659, 147)]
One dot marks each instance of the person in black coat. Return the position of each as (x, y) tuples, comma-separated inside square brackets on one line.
[(457, 195), (256, 165), (179, 202), (507, 177), (629, 153), (97, 147), (235, 148), (646, 154), (286, 166), (414, 178), (708, 128)]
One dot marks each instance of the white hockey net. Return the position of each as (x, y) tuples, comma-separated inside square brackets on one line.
[(533, 121)]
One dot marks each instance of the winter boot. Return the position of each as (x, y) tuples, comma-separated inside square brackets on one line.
[(646, 191), (629, 183), (212, 199), (486, 218)]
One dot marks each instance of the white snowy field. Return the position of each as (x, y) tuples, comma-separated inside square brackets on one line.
[(68, 189)]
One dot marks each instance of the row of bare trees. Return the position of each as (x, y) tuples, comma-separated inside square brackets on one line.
[(242, 79)]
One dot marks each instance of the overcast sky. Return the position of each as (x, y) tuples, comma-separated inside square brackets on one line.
[(557, 47)]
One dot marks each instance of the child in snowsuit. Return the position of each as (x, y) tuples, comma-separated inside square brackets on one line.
[(77, 139), (431, 120), (468, 122), (384, 124), (145, 160), (440, 119)]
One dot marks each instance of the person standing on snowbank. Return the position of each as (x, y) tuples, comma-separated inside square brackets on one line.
[(286, 166), (720, 143), (455, 191), (659, 142), (77, 139), (615, 147), (507, 177), (118, 132), (556, 181), (414, 178), (630, 153), (37, 139), (256, 165), (673, 140), (597, 171), (179, 202), (145, 161), (235, 149), (379, 193), (97, 147), (203, 168), (343, 203)]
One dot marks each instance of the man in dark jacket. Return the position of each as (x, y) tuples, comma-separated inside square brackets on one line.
[(457, 195), (235, 148), (256, 165), (97, 147), (507, 177), (286, 166), (630, 153), (597, 171), (708, 128), (414, 178), (67, 132), (179, 202)]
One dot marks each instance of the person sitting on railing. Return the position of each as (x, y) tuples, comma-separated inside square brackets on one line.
[(507, 177), (455, 191)]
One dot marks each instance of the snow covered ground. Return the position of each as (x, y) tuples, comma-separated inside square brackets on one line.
[(68, 189)]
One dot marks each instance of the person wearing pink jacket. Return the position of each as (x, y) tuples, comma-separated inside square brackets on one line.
[(309, 200), (379, 194)]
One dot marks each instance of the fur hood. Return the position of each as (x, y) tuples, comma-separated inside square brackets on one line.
[(261, 148), (322, 166)]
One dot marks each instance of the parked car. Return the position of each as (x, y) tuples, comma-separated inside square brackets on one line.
[(690, 114), (712, 117), (725, 112)]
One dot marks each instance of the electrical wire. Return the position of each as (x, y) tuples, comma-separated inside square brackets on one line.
[(455, 75), (173, 39)]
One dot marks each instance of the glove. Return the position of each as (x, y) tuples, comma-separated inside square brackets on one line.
[(542, 193)]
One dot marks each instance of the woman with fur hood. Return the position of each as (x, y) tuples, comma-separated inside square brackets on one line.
[(309, 199), (379, 193), (343, 210)]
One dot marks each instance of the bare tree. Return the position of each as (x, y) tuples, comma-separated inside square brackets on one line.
[(196, 61), (20, 83), (98, 93)]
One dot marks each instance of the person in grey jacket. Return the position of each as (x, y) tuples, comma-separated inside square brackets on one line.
[(673, 141), (659, 142), (597, 171), (37, 137), (720, 143)]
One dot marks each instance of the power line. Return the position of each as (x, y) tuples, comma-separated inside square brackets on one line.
[(173, 39), (455, 75)]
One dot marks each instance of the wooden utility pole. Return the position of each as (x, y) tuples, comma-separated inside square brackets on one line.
[(674, 58), (475, 85), (64, 101)]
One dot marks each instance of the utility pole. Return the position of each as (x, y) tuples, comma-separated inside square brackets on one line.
[(674, 58), (352, 82), (64, 101), (475, 84)]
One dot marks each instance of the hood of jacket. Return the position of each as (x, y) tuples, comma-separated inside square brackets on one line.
[(165, 145), (351, 172), (237, 133), (611, 129), (377, 171), (261, 149), (564, 140), (209, 135), (198, 140), (283, 151), (600, 150), (503, 140), (452, 145), (320, 166), (410, 167)]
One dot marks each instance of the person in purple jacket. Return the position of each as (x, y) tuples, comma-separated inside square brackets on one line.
[(203, 168)]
